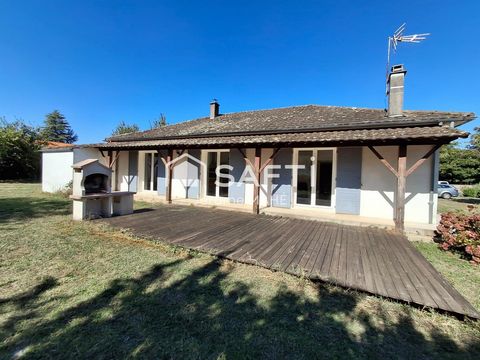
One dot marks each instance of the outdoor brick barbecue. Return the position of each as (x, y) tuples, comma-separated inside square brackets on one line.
[(92, 196)]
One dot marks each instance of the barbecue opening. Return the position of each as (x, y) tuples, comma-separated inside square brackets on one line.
[(96, 184)]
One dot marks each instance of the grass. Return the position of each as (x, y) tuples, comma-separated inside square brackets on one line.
[(79, 289), (457, 204)]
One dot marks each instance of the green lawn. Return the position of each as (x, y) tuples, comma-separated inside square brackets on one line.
[(458, 204), (81, 290)]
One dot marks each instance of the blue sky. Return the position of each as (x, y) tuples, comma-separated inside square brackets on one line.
[(100, 62)]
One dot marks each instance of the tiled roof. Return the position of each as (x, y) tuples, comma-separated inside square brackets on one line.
[(309, 118), (57, 144), (427, 134)]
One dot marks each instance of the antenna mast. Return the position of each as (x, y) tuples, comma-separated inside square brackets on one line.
[(398, 37)]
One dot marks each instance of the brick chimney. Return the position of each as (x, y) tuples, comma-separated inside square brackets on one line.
[(214, 109), (396, 80)]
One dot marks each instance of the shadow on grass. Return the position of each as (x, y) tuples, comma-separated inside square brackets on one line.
[(203, 314), (142, 210), (30, 296), (472, 201), (20, 208)]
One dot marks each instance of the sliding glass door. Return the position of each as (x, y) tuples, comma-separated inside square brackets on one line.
[(314, 177), (214, 160), (150, 171)]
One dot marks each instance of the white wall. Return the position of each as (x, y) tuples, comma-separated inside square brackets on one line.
[(179, 190), (265, 181), (80, 154), (57, 166), (378, 185), (57, 170), (122, 171), (249, 187)]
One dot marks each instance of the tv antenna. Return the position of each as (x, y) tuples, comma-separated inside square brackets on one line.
[(398, 37)]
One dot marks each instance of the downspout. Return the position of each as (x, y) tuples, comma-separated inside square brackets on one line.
[(432, 213)]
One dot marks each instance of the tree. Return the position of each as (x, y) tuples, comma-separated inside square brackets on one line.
[(459, 165), (124, 128), (57, 128), (475, 139), (158, 123), (19, 151)]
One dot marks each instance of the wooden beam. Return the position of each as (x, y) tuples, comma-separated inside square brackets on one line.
[(423, 159), (247, 161), (242, 152), (109, 157), (256, 186), (117, 155), (401, 189), (168, 169), (383, 160), (269, 160)]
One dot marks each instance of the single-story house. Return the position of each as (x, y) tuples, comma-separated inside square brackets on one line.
[(325, 161)]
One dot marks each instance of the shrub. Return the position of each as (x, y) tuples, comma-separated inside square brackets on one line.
[(67, 190), (461, 233), (471, 191)]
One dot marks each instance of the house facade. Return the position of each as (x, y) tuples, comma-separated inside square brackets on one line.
[(352, 164), (348, 180)]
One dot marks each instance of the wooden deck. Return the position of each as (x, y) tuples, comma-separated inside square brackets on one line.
[(367, 259)]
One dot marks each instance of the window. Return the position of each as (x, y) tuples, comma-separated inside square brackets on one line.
[(314, 177), (150, 172)]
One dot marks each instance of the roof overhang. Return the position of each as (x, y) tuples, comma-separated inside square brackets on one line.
[(376, 137)]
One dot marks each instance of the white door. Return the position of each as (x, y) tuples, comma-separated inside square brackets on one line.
[(314, 177)]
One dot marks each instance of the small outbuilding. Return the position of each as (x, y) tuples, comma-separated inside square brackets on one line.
[(57, 161)]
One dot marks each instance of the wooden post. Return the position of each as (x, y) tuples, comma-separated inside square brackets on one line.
[(401, 188), (110, 158), (168, 169), (401, 175), (256, 187)]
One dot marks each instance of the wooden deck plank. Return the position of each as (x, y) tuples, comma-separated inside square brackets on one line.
[(252, 253), (366, 259), (323, 261), (374, 265), (366, 266), (245, 243), (293, 262), (313, 248), (388, 256), (335, 254), (292, 246)]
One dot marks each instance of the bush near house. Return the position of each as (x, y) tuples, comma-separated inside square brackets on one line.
[(472, 191), (460, 232)]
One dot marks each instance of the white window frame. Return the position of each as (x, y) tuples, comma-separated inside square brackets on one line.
[(205, 175), (141, 172), (313, 194)]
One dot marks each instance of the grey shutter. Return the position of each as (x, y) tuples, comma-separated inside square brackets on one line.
[(236, 191), (349, 180), (282, 186)]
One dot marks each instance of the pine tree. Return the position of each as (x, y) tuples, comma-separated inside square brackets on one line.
[(57, 128)]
